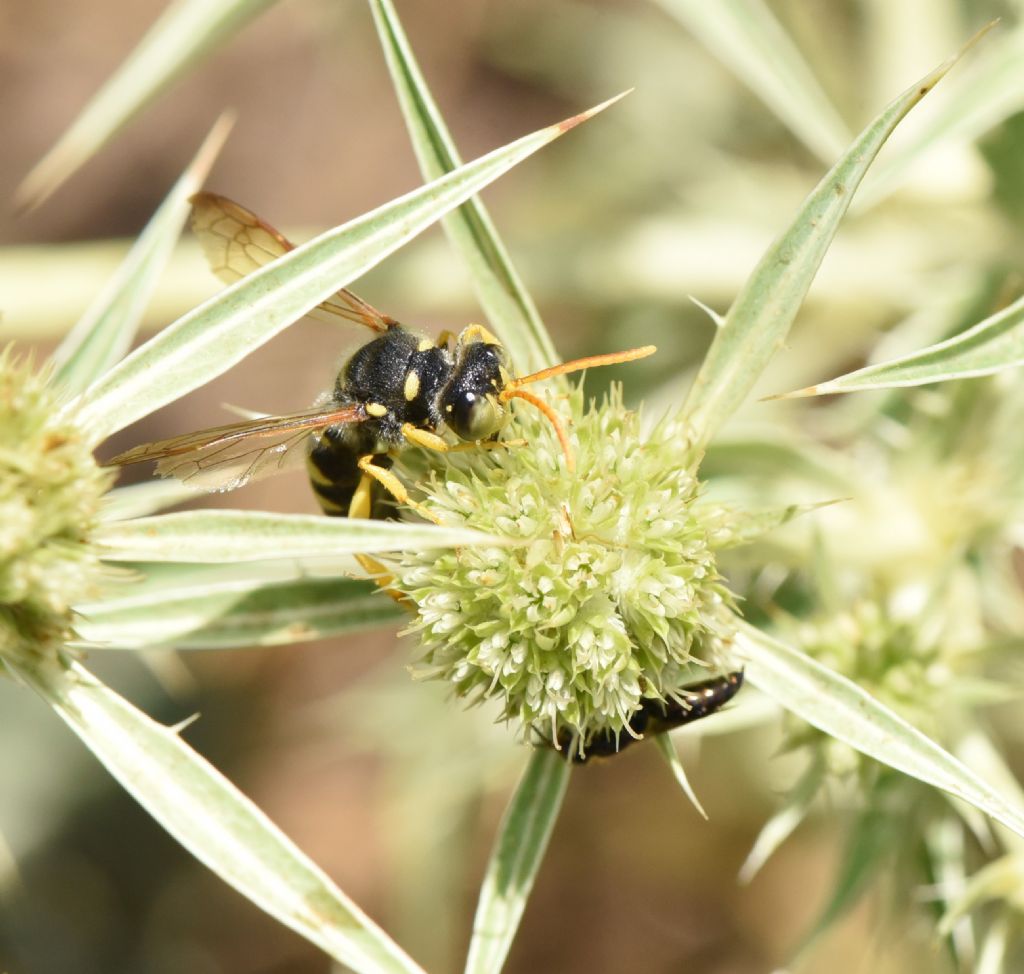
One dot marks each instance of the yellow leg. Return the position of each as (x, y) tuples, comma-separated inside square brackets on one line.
[(477, 333), (394, 487), (444, 338), (361, 506), (431, 441)]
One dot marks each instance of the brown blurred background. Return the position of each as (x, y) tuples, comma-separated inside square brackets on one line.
[(394, 793)]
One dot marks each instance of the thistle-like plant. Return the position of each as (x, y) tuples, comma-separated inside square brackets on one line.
[(571, 597)]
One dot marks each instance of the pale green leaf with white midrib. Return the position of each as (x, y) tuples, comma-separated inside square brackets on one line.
[(272, 614), (151, 583), (840, 708), (746, 35), (185, 31), (508, 306), (992, 345), (759, 319), (518, 851), (239, 536), (105, 332), (216, 823), (146, 497), (210, 339), (984, 97)]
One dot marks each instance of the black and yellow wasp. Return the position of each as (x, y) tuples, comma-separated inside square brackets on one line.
[(397, 390)]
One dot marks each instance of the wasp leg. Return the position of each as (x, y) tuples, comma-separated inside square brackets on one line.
[(431, 441), (361, 506), (444, 338), (477, 333), (394, 487)]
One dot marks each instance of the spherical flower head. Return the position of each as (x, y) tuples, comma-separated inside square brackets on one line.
[(901, 662), (50, 490), (604, 591)]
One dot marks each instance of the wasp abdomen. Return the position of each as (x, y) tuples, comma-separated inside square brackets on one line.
[(656, 717), (333, 467)]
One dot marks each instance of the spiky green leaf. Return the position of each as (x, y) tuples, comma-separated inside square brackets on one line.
[(992, 345), (508, 306), (186, 31), (219, 333), (760, 317), (668, 751), (515, 860), (203, 811), (839, 707), (239, 616), (238, 536), (748, 38), (106, 330)]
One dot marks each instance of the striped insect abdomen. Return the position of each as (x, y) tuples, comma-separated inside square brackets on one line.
[(333, 467)]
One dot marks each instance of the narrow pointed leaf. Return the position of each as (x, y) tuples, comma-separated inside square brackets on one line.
[(746, 36), (1000, 879), (515, 860), (216, 823), (759, 319), (671, 756), (977, 750), (221, 332), (186, 31), (991, 92), (992, 345), (995, 946), (945, 842), (148, 497), (509, 308), (261, 615), (777, 455), (784, 822), (745, 527), (868, 844), (842, 709), (236, 536), (106, 330)]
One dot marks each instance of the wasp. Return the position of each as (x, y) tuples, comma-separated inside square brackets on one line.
[(655, 717), (400, 389)]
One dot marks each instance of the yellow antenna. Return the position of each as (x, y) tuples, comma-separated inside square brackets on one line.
[(513, 389)]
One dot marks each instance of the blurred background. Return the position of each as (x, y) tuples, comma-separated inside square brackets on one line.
[(674, 192)]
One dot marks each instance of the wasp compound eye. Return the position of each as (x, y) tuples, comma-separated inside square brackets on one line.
[(472, 416)]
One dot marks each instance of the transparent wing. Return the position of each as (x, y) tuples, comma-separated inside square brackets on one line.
[(226, 457), (236, 242)]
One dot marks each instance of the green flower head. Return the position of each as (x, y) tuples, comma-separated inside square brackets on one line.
[(604, 592), (50, 490)]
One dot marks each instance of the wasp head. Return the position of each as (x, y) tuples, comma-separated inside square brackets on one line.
[(471, 403)]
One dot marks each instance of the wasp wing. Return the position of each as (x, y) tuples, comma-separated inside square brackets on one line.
[(236, 242), (226, 457)]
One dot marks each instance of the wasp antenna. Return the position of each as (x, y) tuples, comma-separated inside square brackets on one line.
[(552, 418), (590, 362)]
